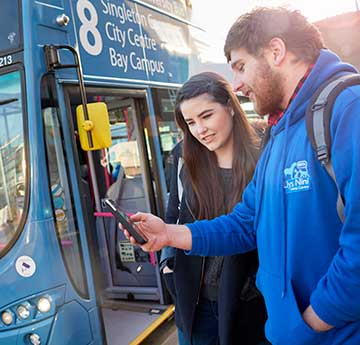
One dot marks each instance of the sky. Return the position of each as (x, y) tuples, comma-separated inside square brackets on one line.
[(216, 17)]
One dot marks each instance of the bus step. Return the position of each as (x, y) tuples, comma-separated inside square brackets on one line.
[(159, 330), (134, 322)]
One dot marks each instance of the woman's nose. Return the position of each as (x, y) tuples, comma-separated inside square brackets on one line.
[(201, 128)]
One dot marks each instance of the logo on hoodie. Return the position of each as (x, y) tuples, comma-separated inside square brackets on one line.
[(297, 178)]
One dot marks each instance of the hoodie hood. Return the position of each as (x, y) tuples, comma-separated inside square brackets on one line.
[(328, 65)]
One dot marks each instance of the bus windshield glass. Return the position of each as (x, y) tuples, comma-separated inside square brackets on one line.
[(10, 37), (12, 157)]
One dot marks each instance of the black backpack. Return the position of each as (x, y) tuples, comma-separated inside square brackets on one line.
[(318, 117)]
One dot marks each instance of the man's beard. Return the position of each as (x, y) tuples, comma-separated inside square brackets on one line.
[(268, 90)]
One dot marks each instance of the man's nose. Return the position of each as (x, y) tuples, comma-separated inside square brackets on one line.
[(238, 84)]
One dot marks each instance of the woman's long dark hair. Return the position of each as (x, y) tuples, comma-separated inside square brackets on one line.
[(201, 164)]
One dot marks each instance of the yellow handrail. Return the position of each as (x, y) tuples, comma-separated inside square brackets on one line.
[(154, 325)]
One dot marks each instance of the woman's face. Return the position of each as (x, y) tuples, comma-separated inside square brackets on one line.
[(211, 123)]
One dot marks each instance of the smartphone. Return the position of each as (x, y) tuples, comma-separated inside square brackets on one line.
[(122, 218)]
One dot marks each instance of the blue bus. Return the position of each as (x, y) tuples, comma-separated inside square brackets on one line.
[(67, 275)]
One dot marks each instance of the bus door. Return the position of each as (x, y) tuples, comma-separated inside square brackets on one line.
[(123, 272), (124, 173)]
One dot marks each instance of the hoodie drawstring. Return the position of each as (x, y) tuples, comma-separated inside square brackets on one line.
[(282, 211)]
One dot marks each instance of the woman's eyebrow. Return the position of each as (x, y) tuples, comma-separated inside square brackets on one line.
[(200, 114)]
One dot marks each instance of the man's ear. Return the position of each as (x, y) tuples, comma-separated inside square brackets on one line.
[(277, 50)]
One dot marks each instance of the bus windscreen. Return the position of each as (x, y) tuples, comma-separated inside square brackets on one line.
[(10, 36)]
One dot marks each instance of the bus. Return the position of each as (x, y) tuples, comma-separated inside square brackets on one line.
[(87, 90)]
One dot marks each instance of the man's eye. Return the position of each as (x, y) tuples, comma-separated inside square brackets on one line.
[(241, 68)]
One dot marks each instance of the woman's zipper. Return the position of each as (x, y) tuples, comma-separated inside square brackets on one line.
[(202, 258)]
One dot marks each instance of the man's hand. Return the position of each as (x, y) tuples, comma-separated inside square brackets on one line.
[(159, 234), (311, 318), (153, 228)]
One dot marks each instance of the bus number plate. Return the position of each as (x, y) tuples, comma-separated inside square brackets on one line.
[(6, 60)]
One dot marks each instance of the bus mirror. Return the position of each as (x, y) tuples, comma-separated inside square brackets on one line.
[(97, 125)]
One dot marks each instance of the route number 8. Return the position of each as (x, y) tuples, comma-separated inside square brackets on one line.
[(89, 27)]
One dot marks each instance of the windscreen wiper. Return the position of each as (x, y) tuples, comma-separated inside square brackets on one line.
[(9, 100)]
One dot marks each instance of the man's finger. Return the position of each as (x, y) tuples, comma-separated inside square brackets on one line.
[(133, 241), (126, 233), (137, 217), (146, 247)]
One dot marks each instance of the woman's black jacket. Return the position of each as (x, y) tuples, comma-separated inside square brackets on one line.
[(241, 311)]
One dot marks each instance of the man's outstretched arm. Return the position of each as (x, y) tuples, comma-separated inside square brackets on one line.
[(159, 234), (225, 235)]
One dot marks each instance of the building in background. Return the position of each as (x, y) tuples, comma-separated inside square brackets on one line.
[(342, 35)]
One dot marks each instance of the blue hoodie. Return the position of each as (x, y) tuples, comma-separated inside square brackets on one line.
[(307, 256)]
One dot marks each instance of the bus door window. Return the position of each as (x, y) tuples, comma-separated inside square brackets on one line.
[(64, 213), (12, 158), (120, 133), (124, 157), (170, 135)]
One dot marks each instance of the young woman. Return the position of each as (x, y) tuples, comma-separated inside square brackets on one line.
[(215, 297)]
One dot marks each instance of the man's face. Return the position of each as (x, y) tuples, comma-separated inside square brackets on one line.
[(256, 79)]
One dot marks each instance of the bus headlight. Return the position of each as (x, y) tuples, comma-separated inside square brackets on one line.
[(7, 317), (44, 304), (34, 339), (23, 312)]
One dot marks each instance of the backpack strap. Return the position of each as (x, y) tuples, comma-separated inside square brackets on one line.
[(318, 117)]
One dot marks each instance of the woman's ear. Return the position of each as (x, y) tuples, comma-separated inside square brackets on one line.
[(231, 109)]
